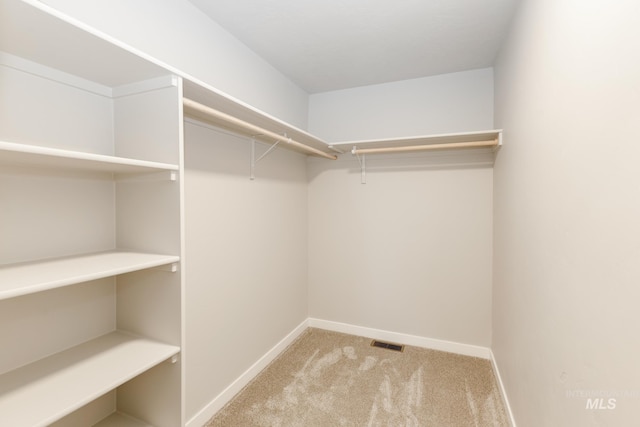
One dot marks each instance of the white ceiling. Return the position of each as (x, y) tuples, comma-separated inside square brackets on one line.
[(325, 45)]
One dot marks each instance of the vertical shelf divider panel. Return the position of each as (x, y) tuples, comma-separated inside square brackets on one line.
[(148, 217)]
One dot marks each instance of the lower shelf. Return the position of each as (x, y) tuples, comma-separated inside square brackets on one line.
[(120, 420), (44, 391)]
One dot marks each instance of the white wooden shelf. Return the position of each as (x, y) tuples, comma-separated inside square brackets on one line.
[(45, 391), (491, 139), (121, 420), (13, 154), (33, 30), (30, 277)]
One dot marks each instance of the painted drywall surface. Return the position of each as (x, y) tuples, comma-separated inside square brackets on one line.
[(431, 105), (567, 203), (246, 247), (410, 250), (180, 35)]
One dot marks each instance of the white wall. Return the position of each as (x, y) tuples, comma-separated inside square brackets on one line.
[(246, 250), (180, 35), (567, 204), (410, 251), (430, 105)]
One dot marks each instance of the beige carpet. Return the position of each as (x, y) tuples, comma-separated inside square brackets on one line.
[(331, 379)]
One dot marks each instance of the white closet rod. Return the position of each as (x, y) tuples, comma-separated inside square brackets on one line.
[(251, 129), (428, 147)]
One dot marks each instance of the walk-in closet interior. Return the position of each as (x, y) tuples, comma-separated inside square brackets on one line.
[(175, 211)]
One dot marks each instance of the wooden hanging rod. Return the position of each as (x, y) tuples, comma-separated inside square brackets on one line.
[(198, 110), (427, 147)]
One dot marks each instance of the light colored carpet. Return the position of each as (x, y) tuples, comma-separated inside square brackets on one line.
[(331, 379)]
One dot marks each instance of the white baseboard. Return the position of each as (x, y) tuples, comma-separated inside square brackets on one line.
[(399, 338), (452, 347), (227, 394), (502, 390)]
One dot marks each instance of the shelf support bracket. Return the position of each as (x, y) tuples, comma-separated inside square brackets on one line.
[(362, 159), (170, 268), (171, 176), (255, 161), (336, 149)]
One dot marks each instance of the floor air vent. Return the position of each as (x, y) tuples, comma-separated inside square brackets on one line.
[(387, 345)]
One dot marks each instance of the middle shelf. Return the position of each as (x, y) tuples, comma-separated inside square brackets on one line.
[(30, 277)]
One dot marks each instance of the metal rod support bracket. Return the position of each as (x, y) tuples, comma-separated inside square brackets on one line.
[(255, 161), (363, 165)]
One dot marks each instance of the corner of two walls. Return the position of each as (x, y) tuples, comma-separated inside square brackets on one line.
[(246, 251), (410, 251)]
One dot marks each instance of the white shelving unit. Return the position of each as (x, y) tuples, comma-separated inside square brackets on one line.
[(91, 193)]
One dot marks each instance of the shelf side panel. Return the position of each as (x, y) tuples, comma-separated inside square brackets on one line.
[(148, 217), (146, 124), (148, 211), (153, 396)]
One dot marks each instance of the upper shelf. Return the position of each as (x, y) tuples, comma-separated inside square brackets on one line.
[(34, 31), (13, 154), (491, 139)]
